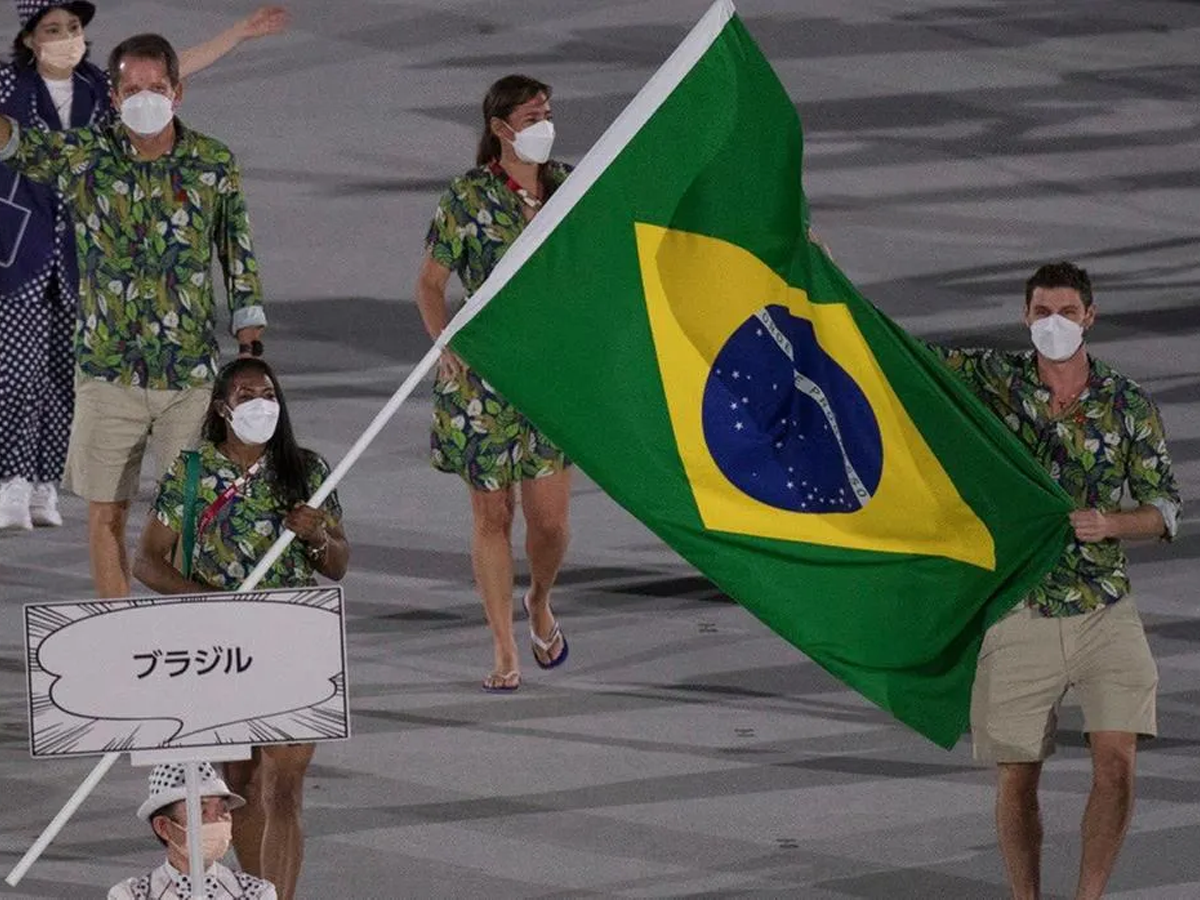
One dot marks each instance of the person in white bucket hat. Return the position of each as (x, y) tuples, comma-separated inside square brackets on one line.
[(165, 810)]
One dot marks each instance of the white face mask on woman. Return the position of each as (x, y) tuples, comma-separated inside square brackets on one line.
[(254, 421), (147, 112), (1056, 337), (64, 54), (534, 143)]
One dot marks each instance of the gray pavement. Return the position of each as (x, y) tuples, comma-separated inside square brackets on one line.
[(684, 750)]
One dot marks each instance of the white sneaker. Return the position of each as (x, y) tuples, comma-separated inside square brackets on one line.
[(43, 505), (14, 504)]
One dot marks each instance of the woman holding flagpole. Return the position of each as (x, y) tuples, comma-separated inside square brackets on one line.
[(227, 503), (476, 433), (50, 85)]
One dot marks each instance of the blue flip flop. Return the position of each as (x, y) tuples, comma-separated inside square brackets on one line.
[(545, 646)]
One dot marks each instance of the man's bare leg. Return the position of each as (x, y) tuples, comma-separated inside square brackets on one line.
[(1019, 827), (1109, 809), (106, 545)]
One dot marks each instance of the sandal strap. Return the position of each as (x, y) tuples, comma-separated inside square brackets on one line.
[(502, 678), (546, 645)]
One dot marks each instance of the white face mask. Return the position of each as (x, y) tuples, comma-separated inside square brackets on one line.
[(64, 54), (533, 144), (147, 113), (1056, 337), (215, 838), (254, 421)]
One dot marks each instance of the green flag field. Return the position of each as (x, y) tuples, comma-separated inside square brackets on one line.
[(668, 322)]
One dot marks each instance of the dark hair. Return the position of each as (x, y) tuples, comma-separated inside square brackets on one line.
[(1060, 275), (22, 56), (289, 462), (502, 98), (144, 46)]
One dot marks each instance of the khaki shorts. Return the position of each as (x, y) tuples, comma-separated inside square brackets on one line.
[(112, 427), (1027, 662)]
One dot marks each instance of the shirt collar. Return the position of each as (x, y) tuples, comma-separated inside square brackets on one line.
[(1099, 375), (183, 883), (183, 140), (263, 461)]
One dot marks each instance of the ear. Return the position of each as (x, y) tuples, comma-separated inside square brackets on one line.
[(178, 94), (498, 125), (161, 827), (27, 40), (1089, 316)]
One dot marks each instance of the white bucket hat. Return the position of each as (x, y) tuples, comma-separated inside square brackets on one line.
[(168, 784)]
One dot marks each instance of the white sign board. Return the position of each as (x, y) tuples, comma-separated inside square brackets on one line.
[(198, 671)]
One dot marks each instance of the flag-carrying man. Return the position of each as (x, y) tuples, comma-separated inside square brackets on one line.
[(1099, 436)]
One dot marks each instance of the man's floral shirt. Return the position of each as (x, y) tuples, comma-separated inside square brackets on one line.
[(146, 234), (1110, 441)]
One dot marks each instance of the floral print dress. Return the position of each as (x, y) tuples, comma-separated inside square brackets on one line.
[(477, 434)]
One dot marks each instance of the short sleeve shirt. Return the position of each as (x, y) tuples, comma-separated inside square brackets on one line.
[(476, 221), (1110, 442), (246, 527)]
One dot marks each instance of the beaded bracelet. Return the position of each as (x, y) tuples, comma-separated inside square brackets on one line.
[(315, 553)]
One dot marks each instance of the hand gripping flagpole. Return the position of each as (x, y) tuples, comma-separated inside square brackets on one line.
[(352, 455), (252, 580)]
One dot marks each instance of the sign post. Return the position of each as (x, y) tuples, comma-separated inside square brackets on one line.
[(182, 679)]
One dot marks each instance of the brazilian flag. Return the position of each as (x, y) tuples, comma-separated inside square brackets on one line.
[(667, 321)]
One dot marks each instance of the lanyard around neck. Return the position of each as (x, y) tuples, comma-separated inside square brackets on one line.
[(227, 495), (511, 183)]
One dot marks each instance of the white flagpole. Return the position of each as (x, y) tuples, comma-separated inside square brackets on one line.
[(360, 446), (593, 164), (252, 580), (56, 824)]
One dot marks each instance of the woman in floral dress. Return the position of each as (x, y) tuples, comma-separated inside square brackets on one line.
[(253, 481), (477, 434)]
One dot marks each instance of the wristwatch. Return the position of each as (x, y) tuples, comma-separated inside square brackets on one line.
[(254, 348)]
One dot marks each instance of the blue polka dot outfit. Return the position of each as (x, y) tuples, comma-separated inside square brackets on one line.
[(39, 283)]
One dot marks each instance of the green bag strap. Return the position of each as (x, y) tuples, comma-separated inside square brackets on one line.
[(190, 489)]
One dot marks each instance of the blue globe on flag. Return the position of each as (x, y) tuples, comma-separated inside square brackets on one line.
[(786, 424)]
